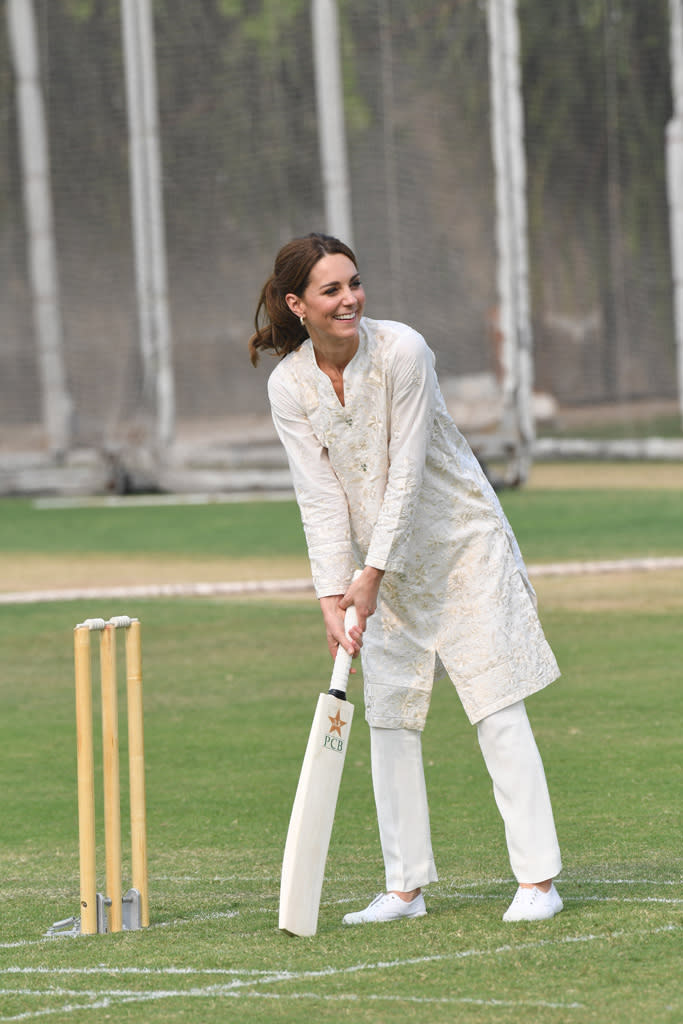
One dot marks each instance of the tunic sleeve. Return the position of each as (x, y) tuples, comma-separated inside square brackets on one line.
[(321, 500), (411, 417)]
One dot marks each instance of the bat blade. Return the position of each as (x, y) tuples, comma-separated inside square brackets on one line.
[(310, 826)]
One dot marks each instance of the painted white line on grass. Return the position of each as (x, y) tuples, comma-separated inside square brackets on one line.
[(210, 915), (571, 899), (299, 586), (456, 893), (605, 566), (113, 997), (218, 589), (270, 977), (477, 883), (244, 985), (626, 881)]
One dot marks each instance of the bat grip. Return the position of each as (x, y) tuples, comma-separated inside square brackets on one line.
[(342, 661)]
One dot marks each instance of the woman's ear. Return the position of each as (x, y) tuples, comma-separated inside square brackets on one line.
[(294, 303)]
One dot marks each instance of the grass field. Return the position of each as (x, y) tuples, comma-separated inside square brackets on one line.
[(230, 687)]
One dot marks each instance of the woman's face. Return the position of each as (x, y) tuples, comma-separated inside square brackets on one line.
[(333, 301)]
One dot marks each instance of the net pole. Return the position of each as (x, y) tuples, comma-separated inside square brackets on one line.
[(42, 255), (507, 128), (329, 91), (148, 215), (674, 145)]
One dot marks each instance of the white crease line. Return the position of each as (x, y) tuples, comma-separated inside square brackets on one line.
[(452, 895), (270, 977), (626, 881), (608, 565), (240, 988), (113, 997), (240, 588), (571, 899), (200, 589), (563, 879)]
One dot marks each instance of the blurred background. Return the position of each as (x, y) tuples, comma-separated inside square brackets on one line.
[(239, 132)]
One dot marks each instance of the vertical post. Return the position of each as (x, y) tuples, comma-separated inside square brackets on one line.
[(110, 770), (86, 780), (674, 142), (395, 232), (507, 125), (329, 91), (136, 755), (148, 215), (56, 402)]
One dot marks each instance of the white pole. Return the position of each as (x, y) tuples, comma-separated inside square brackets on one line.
[(56, 402), (524, 338), (148, 215), (329, 89), (674, 142), (507, 131)]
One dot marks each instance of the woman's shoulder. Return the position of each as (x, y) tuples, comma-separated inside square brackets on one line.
[(293, 364), (289, 371), (395, 339)]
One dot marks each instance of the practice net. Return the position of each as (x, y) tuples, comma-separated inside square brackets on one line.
[(241, 175)]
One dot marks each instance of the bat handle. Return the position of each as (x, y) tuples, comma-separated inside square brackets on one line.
[(342, 661)]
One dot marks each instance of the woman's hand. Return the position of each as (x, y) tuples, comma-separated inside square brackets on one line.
[(362, 593), (333, 616)]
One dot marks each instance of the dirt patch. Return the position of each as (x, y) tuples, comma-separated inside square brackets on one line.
[(658, 590), (567, 476), (639, 591), (21, 573)]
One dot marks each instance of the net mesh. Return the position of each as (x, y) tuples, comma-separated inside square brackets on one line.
[(241, 175), (597, 102)]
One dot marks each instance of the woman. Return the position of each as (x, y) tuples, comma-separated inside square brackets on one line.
[(385, 480)]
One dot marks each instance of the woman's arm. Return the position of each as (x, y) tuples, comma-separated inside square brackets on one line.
[(321, 499), (324, 513), (413, 400)]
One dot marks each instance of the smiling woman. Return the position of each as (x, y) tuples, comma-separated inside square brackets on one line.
[(385, 480), (330, 309), (280, 314)]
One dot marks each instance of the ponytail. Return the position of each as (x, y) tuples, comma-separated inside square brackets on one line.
[(277, 328)]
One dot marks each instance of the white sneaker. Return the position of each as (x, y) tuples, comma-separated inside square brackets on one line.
[(387, 907), (534, 905)]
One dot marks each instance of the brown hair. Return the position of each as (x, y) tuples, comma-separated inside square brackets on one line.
[(277, 328)]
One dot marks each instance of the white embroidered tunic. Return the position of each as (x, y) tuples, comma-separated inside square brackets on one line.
[(387, 480)]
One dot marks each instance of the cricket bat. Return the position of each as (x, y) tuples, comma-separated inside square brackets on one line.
[(310, 826)]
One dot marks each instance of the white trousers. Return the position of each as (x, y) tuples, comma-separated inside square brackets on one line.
[(519, 788)]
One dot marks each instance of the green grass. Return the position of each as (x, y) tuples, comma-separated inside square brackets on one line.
[(229, 694), (226, 722), (550, 525), (635, 427), (224, 530), (557, 525)]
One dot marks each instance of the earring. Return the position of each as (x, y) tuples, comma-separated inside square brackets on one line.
[(301, 320)]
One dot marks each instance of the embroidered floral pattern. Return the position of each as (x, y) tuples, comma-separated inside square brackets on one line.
[(388, 480)]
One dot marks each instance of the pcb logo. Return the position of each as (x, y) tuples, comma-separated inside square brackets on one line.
[(332, 741)]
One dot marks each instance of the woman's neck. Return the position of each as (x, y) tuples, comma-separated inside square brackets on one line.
[(333, 363), (334, 357)]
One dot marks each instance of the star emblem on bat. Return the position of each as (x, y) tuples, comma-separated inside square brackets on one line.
[(336, 723)]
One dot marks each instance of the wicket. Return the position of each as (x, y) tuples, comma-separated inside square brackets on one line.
[(129, 911)]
